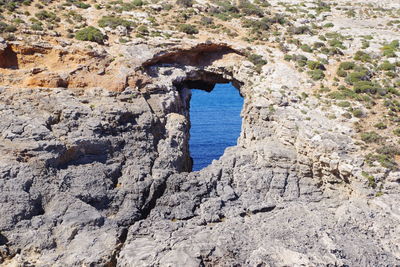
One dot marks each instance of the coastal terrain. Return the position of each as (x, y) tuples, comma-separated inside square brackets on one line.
[(95, 166)]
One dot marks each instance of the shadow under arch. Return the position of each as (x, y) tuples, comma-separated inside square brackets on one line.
[(9, 59)]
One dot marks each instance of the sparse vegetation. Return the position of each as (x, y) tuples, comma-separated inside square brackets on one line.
[(185, 3), (389, 50), (250, 9), (91, 34), (114, 22), (371, 137), (380, 125), (258, 61), (317, 74), (188, 29), (370, 178)]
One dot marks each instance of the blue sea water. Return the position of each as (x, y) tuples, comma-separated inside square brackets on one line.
[(215, 123)]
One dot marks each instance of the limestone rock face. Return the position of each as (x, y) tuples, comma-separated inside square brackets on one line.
[(94, 178)]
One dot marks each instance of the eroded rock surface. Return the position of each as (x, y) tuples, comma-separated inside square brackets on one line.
[(93, 177)]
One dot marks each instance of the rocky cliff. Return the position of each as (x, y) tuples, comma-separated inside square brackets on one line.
[(96, 170)]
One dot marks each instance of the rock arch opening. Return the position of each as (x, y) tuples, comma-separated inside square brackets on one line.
[(212, 103), (202, 81), (215, 122)]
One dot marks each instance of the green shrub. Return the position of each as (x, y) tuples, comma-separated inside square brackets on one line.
[(18, 21), (391, 74), (277, 19), (341, 73), (73, 15), (356, 76), (380, 125), (365, 87), (395, 44), (188, 29), (387, 161), (315, 65), (371, 137), (386, 65), (257, 25), (362, 56), (347, 65), (300, 60), (389, 150), (225, 10), (394, 91), (344, 104), (288, 57), (317, 45), (82, 5), (223, 16), (336, 43), (371, 179), (365, 44), (332, 51), (397, 131), (382, 91), (306, 48), (263, 3), (299, 30), (226, 6), (36, 27), (91, 34), (329, 25), (4, 27), (344, 93), (389, 50), (12, 5), (10, 28), (137, 2), (250, 9), (385, 156), (316, 75), (114, 22), (358, 113), (143, 30), (324, 89), (322, 7), (47, 16), (206, 21), (185, 3), (257, 60)]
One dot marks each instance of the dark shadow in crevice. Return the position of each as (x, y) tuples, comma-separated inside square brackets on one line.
[(206, 81), (3, 240), (83, 159), (9, 59), (159, 188)]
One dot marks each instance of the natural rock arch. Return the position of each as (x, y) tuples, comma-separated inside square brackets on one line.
[(278, 173), (200, 67)]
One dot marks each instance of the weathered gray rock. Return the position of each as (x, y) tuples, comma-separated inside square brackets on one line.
[(99, 178)]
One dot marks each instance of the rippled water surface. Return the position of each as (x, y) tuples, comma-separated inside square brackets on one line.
[(215, 123)]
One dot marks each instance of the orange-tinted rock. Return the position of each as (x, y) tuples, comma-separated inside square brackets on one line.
[(45, 79)]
